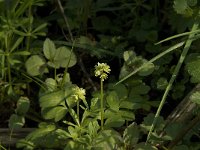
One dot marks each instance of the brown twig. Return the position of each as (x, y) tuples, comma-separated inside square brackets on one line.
[(65, 19)]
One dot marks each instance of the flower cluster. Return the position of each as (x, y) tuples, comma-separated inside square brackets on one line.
[(102, 70), (78, 93)]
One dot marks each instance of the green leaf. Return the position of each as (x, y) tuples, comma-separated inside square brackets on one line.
[(195, 97), (23, 53), (49, 49), (147, 70), (181, 147), (56, 113), (140, 89), (193, 68), (180, 6), (162, 83), (23, 105), (113, 100), (51, 84), (64, 57), (127, 115), (114, 121), (16, 122), (35, 65), (52, 99), (144, 146), (107, 139), (131, 135)]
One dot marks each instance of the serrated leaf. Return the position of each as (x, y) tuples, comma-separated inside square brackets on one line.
[(131, 135), (23, 105), (35, 65), (49, 49), (16, 122), (195, 97)]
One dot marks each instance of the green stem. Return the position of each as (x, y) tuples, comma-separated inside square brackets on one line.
[(77, 105), (102, 107), (178, 66)]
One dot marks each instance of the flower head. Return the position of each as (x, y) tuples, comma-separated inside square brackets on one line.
[(102, 70), (79, 93)]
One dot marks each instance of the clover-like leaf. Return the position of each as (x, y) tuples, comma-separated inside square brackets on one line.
[(180, 6)]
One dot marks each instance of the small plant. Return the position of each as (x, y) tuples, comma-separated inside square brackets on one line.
[(102, 70)]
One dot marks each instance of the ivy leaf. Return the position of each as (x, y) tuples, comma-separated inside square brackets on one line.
[(195, 97), (131, 135), (35, 65), (23, 105), (193, 69)]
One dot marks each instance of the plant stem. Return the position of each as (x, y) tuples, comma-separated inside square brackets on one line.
[(178, 66), (102, 107), (77, 105)]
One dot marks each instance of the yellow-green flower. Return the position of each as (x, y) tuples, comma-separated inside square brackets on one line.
[(102, 70), (78, 93)]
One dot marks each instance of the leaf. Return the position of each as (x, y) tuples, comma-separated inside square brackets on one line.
[(35, 65), (64, 57), (107, 139), (193, 69), (114, 121), (145, 146), (140, 89), (162, 83), (51, 84), (127, 115), (146, 124), (23, 105), (181, 147), (16, 122), (195, 97), (180, 6), (147, 70), (52, 99), (131, 135), (49, 49), (56, 113), (113, 100)]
